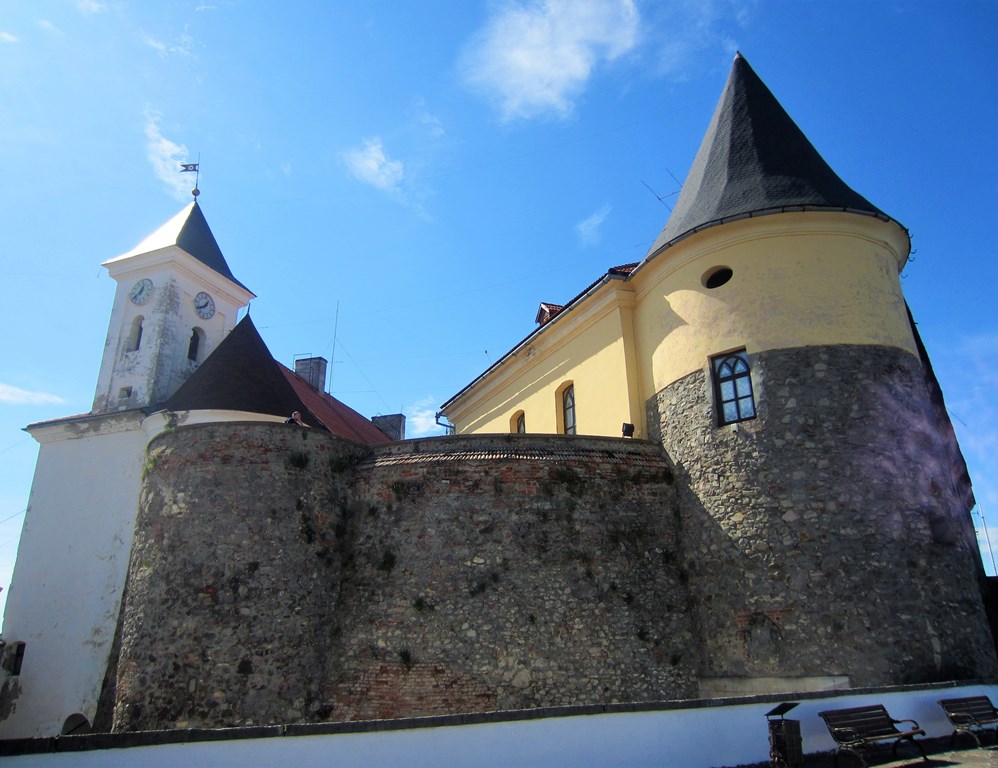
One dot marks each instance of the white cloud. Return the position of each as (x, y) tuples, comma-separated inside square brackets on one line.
[(535, 58), (18, 396), (7, 37), (371, 165), (421, 418), (165, 156), (48, 26), (588, 229), (182, 47), (90, 7), (430, 122), (697, 27), (157, 45)]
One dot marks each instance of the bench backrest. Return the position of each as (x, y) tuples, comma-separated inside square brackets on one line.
[(867, 721), (978, 707)]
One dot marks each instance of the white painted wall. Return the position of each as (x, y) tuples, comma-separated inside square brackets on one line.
[(157, 422), (705, 737), (158, 368), (72, 559), (71, 563)]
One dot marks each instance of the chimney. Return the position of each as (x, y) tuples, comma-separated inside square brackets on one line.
[(313, 370), (392, 425)]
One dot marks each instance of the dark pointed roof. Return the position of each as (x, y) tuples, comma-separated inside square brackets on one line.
[(754, 160), (242, 375), (196, 238), (189, 231)]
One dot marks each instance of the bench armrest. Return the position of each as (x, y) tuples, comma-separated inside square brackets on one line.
[(845, 735), (961, 718), (913, 722)]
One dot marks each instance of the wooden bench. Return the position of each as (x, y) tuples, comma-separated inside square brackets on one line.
[(856, 728), (968, 715)]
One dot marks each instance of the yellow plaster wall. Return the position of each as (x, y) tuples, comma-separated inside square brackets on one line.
[(800, 279), (587, 349)]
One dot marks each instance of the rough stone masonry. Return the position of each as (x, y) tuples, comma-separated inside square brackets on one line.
[(282, 575)]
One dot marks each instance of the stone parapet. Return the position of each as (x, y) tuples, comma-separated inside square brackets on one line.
[(284, 575)]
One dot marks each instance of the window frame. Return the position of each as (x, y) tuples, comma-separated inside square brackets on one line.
[(134, 341), (197, 347), (518, 423), (567, 407), (742, 394)]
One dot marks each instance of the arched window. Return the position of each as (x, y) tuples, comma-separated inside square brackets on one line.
[(135, 335), (567, 405), (197, 337), (76, 723), (733, 388), (518, 423)]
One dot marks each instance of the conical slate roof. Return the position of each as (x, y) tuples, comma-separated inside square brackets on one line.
[(242, 375), (754, 160), (189, 231)]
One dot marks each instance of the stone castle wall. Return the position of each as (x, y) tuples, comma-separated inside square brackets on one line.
[(282, 575), (826, 537), (235, 569)]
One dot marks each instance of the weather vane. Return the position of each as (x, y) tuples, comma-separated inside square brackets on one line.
[(194, 168)]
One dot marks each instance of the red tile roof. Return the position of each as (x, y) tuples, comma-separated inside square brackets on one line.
[(242, 375), (337, 417)]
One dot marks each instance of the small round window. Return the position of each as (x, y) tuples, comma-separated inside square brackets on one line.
[(716, 277)]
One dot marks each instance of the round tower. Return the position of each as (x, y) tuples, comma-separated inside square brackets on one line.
[(825, 516)]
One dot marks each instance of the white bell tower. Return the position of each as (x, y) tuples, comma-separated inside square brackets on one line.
[(176, 300)]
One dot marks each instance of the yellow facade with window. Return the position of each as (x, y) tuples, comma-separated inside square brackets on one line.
[(797, 279), (766, 249)]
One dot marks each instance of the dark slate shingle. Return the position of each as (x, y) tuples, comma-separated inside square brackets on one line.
[(754, 160), (242, 375), (196, 238)]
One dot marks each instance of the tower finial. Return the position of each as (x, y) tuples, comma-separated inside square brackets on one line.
[(194, 168)]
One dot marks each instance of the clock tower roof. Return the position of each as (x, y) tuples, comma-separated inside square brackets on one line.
[(189, 231)]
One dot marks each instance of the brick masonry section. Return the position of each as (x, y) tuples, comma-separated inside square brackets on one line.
[(282, 575), (830, 535)]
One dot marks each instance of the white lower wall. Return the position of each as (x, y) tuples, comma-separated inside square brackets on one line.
[(701, 737), (71, 564)]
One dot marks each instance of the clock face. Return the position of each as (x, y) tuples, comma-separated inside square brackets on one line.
[(204, 305), (141, 291)]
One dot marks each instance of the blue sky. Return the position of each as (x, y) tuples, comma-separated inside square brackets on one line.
[(419, 175)]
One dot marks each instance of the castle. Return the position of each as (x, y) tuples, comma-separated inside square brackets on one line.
[(788, 511)]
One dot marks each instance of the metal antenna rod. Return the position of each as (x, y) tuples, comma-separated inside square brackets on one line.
[(332, 354), (987, 537)]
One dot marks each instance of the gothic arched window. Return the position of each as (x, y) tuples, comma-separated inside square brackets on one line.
[(135, 335), (197, 336), (518, 423), (733, 388), (568, 409)]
